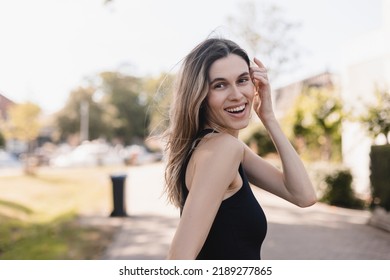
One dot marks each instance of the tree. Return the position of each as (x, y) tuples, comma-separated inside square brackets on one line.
[(315, 121), (266, 34), (117, 109), (2, 140), (125, 94), (377, 117), (258, 139), (68, 120), (159, 95), (23, 123)]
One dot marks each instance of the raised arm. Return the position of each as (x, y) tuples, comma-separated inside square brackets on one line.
[(292, 183), (213, 167)]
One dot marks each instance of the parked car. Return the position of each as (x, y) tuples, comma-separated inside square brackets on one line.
[(138, 155), (88, 154)]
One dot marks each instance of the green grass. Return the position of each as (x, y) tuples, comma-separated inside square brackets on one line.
[(15, 206), (39, 214), (60, 239)]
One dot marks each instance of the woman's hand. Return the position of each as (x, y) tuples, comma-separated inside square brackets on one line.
[(262, 102)]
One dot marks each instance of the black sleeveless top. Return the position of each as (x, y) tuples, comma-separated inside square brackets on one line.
[(239, 227)]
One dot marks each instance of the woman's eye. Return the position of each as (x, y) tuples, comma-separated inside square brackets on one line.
[(243, 80), (219, 85)]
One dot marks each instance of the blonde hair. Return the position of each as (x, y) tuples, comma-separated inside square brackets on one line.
[(188, 112)]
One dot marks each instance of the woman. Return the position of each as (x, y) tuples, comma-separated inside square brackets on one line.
[(208, 167)]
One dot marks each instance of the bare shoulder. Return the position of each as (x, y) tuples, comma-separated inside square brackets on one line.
[(218, 155), (221, 145)]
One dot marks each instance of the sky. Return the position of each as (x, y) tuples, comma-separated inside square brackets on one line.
[(48, 48)]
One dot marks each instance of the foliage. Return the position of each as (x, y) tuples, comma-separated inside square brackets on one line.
[(257, 137), (68, 119), (2, 140), (377, 116), (159, 96), (339, 191), (315, 122), (125, 94), (23, 122), (117, 109), (380, 175), (267, 34)]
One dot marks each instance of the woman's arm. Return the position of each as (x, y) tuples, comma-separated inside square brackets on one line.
[(215, 167), (293, 184)]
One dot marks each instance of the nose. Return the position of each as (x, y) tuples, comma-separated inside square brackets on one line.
[(235, 93)]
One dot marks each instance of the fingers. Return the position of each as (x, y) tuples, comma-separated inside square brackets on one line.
[(258, 63), (260, 66), (259, 73), (259, 78)]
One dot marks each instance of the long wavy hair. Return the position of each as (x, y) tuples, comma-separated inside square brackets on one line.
[(188, 111)]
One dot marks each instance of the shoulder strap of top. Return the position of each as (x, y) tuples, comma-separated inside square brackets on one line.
[(199, 137), (196, 141), (206, 131)]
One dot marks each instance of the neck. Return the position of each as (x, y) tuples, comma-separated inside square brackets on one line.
[(218, 128)]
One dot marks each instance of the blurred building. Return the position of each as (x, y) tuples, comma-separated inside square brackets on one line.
[(284, 96), (5, 103), (366, 67)]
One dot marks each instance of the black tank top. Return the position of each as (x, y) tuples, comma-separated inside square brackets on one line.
[(239, 227)]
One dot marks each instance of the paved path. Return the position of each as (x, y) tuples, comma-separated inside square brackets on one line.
[(319, 232)]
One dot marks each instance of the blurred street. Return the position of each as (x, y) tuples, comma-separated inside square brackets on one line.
[(320, 232), (76, 110)]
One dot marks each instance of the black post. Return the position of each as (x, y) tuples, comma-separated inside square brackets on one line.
[(118, 194)]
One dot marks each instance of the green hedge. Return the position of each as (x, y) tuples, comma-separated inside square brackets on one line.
[(259, 137), (2, 140), (380, 176), (339, 190)]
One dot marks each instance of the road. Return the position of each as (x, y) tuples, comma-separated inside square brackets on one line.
[(320, 232)]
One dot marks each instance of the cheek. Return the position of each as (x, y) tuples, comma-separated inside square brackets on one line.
[(214, 101), (250, 92)]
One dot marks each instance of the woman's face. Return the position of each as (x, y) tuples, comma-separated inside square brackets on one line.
[(231, 91)]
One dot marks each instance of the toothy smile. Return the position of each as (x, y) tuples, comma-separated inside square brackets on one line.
[(236, 110)]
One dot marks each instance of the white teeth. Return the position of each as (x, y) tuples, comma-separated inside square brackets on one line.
[(237, 109)]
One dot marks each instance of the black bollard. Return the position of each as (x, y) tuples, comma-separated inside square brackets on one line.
[(118, 194)]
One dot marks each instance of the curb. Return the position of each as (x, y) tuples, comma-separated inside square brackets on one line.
[(380, 218)]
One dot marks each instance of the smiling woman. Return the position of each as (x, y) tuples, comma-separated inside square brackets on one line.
[(209, 170), (231, 93)]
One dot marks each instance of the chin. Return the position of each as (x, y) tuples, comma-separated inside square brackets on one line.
[(239, 126)]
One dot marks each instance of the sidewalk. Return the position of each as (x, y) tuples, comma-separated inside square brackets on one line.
[(320, 232)]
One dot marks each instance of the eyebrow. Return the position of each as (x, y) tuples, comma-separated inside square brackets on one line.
[(223, 79)]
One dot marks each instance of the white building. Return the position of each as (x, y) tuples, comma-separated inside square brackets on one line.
[(366, 66)]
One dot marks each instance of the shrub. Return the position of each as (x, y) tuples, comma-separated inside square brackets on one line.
[(2, 140), (380, 176), (258, 139), (339, 192)]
